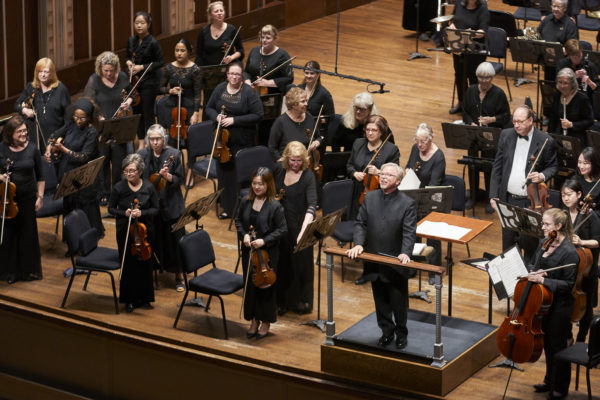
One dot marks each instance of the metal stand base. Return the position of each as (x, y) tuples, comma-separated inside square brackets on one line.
[(416, 55), (421, 295), (522, 81), (195, 302), (317, 323), (506, 363)]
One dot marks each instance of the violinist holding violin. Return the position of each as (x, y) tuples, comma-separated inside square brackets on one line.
[(588, 168), (108, 88), (20, 248), (518, 148), (137, 287), (243, 110), (556, 323), (262, 211)]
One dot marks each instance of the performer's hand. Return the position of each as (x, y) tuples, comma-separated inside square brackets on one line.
[(248, 82), (227, 60), (247, 240), (136, 213), (314, 145), (258, 243), (359, 176), (403, 258), (39, 204), (28, 112), (371, 169), (537, 278), (48, 156), (580, 73), (576, 240), (175, 90), (493, 203), (355, 251), (487, 120), (128, 212), (225, 122), (164, 172), (194, 118), (565, 123), (536, 177)]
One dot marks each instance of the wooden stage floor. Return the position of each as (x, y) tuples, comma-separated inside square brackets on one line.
[(372, 45)]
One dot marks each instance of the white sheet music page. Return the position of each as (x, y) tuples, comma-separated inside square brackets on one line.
[(410, 181), (509, 268), (442, 230)]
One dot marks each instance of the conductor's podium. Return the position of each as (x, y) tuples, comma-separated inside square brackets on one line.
[(442, 352)]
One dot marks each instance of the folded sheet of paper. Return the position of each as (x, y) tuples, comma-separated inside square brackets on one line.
[(442, 230), (418, 248), (410, 180)]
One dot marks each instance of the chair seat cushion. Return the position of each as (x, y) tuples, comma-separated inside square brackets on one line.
[(498, 67), (201, 166), (216, 282), (344, 231), (50, 208), (101, 258), (587, 23), (577, 353)]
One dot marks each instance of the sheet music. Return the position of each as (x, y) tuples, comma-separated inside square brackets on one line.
[(508, 267), (442, 230), (410, 181), (418, 248)]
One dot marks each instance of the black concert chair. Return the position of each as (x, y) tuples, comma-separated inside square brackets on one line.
[(583, 354), (246, 162), (86, 255), (497, 43), (197, 252), (336, 195), (51, 207), (332, 128), (334, 165), (588, 21), (458, 196), (199, 144), (504, 20), (162, 112)]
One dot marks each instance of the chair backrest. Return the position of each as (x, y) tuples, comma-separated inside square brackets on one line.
[(334, 165), (594, 340), (49, 177), (75, 224), (196, 250), (336, 194), (162, 112), (504, 20), (248, 160), (333, 126), (496, 42), (554, 198), (200, 139), (458, 195)]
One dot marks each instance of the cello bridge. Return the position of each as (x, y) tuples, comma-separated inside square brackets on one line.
[(515, 322)]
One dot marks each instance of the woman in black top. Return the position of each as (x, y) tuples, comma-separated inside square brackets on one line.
[(556, 324), (144, 53), (426, 158), (107, 87), (50, 101), (295, 285), (214, 38), (166, 162), (316, 93), (79, 145), (295, 124), (20, 249), (468, 14), (485, 103), (587, 235), (136, 288), (588, 166), (243, 110), (261, 210), (578, 109)]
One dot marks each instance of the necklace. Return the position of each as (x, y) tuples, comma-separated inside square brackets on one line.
[(45, 100)]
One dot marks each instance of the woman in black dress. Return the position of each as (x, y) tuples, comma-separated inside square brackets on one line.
[(316, 93), (166, 161), (261, 210), (574, 118), (144, 53), (361, 159), (20, 249), (107, 87), (468, 14), (77, 144), (587, 235), (588, 165), (295, 124), (556, 324), (50, 101), (295, 285), (243, 110), (136, 288)]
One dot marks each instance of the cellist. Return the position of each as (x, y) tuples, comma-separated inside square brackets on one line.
[(556, 324), (136, 288)]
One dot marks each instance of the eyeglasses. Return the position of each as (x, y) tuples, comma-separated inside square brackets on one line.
[(234, 74), (24, 130), (130, 171), (76, 118), (519, 122), (421, 141), (369, 130), (386, 174), (361, 109), (156, 139)]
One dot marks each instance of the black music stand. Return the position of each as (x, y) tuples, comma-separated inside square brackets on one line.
[(522, 220), (194, 212), (474, 139), (593, 138), (480, 264), (78, 178), (416, 53), (315, 233), (429, 199), (548, 90), (212, 75), (271, 105), (118, 130), (567, 153)]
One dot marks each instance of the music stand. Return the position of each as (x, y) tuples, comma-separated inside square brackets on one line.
[(567, 153), (314, 233), (429, 199), (118, 130), (416, 53), (548, 90), (194, 212), (78, 178), (212, 75), (522, 220), (593, 138), (271, 105)]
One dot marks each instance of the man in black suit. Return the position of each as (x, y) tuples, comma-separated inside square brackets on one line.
[(387, 223), (517, 149)]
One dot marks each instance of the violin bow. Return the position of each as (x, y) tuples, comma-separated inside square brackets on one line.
[(534, 163), (273, 70), (316, 126), (133, 88), (250, 229), (215, 141), (6, 182), (546, 270), (179, 115), (125, 246), (231, 45), (377, 153)]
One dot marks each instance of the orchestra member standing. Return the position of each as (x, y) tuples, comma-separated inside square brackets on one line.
[(316, 93), (20, 249), (387, 223), (588, 167), (352, 124)]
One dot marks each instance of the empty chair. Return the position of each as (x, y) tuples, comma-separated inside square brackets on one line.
[(86, 255), (199, 144), (497, 48), (197, 252), (334, 165), (50, 207)]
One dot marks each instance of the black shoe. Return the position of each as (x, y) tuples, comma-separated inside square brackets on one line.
[(456, 109), (360, 281), (129, 307), (223, 216), (11, 279), (261, 335), (401, 341), (385, 340), (541, 387), (489, 209), (250, 335)]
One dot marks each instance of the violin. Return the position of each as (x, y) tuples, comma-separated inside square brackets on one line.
[(315, 156), (179, 115), (56, 154), (7, 198), (124, 112), (157, 179), (279, 196), (220, 149), (537, 193), (29, 102), (134, 80), (371, 182), (226, 47), (139, 237), (417, 166), (263, 277)]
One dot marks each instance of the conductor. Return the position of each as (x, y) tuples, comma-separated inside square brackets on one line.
[(387, 223)]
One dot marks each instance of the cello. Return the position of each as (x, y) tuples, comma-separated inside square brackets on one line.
[(371, 182), (178, 129), (315, 156), (7, 197), (263, 277)]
